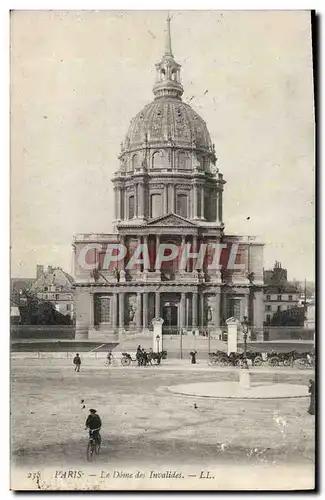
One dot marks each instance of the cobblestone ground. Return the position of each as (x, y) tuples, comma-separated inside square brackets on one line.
[(144, 423)]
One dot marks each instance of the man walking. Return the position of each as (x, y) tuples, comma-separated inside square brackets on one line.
[(77, 363)]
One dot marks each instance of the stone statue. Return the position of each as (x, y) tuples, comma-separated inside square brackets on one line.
[(209, 314), (131, 313)]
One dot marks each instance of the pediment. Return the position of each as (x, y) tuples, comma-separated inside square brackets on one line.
[(171, 220)]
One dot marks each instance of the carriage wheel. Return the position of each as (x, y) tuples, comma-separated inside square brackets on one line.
[(125, 361), (223, 362), (213, 360), (258, 361), (274, 361), (301, 362), (238, 362), (287, 362)]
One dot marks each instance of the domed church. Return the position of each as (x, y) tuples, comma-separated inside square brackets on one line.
[(168, 192)]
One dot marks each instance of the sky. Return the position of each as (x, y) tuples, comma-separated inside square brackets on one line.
[(79, 77)]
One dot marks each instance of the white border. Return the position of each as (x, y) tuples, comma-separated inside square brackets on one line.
[(4, 182)]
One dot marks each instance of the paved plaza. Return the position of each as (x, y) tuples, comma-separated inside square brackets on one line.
[(144, 422)]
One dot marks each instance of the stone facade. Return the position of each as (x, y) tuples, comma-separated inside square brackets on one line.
[(167, 190)]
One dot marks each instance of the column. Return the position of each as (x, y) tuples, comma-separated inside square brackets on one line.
[(146, 264), (114, 319), (173, 198), (217, 219), (217, 310), (166, 199), (195, 249), (202, 202), (156, 250), (157, 304), (138, 312), (121, 263), (201, 318), (136, 200), (140, 200), (188, 321), (121, 310), (182, 311), (220, 206), (194, 309), (118, 203), (258, 310), (125, 205), (183, 266), (92, 310), (245, 306), (145, 310), (194, 201), (115, 203)]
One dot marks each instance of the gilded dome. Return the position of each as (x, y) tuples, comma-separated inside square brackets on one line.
[(168, 121)]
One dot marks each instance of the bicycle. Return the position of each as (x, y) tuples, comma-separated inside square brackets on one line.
[(94, 444)]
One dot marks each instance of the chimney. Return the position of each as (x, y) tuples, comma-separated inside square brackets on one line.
[(39, 271), (49, 269)]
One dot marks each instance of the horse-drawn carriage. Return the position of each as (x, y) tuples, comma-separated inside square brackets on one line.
[(143, 359), (221, 358), (273, 358)]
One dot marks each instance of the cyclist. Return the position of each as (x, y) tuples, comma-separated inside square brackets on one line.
[(94, 424)]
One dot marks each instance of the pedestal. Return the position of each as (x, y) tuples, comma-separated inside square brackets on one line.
[(157, 344), (245, 379)]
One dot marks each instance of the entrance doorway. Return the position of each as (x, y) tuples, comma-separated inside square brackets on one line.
[(171, 318)]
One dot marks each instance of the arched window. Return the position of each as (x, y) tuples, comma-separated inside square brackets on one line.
[(135, 161), (155, 205), (155, 160), (131, 207), (162, 74), (181, 207), (174, 75)]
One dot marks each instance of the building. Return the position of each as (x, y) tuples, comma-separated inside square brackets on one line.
[(279, 296), (56, 286), (168, 190)]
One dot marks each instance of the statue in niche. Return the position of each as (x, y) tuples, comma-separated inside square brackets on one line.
[(131, 310), (209, 315)]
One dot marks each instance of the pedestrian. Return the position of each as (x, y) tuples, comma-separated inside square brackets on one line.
[(109, 357), (139, 355), (193, 357), (311, 390), (77, 363)]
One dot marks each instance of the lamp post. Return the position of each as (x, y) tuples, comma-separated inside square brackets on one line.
[(157, 339), (245, 332)]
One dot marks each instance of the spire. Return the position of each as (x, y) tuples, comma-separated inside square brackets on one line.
[(168, 41), (168, 81)]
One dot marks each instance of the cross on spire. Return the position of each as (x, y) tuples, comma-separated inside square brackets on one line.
[(168, 46)]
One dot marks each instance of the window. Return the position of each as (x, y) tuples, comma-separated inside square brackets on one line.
[(290, 297), (268, 297), (131, 207), (46, 296), (68, 307), (267, 308), (135, 161), (268, 318), (155, 205), (181, 208), (279, 308), (279, 297), (46, 288), (57, 296)]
